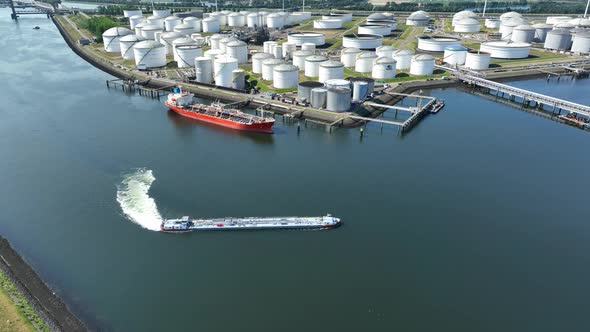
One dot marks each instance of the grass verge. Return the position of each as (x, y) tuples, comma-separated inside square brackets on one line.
[(11, 302)]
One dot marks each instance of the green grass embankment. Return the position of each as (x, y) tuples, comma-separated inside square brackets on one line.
[(16, 314)]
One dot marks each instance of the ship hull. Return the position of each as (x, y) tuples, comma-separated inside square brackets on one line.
[(250, 228), (265, 127)]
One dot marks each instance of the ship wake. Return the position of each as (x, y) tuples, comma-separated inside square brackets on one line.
[(134, 199)]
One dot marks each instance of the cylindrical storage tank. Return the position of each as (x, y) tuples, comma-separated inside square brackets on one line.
[(238, 80), (337, 83), (167, 38), (304, 89), (523, 34), (374, 29), (418, 19), (330, 70), (161, 12), (156, 20), (135, 20), (380, 16), (364, 62), (185, 29), (299, 58), (581, 43), (126, 45), (268, 66), (455, 55), (391, 23), (149, 31), (348, 56), (507, 26), (360, 90), (312, 65), (541, 30), (469, 25), (211, 25), (566, 26), (238, 50), (214, 41), (288, 49), (557, 19), (224, 41), (149, 53), (236, 20), (506, 50), (277, 51), (204, 69), (255, 20), (186, 55), (257, 59), (268, 46), (339, 99), (422, 64), (363, 42), (370, 82), (476, 60), (213, 54), (285, 76), (492, 23), (157, 35), (308, 47), (580, 22), (171, 21), (509, 16), (138, 27), (385, 51), (463, 15), (195, 22), (299, 38), (223, 66), (383, 68), (184, 40), (437, 43), (327, 24), (318, 97), (275, 20), (558, 39), (219, 17), (200, 40), (403, 58), (112, 37), (132, 12)]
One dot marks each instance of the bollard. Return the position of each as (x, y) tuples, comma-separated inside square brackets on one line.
[(361, 132)]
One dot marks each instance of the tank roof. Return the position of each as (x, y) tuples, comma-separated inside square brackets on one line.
[(286, 67), (316, 58), (456, 48), (385, 59), (386, 47), (134, 17), (542, 26), (148, 44), (151, 27), (506, 44), (350, 50), (331, 64), (583, 34), (468, 21), (224, 58), (361, 36), (403, 52), (422, 57), (183, 40), (311, 84), (380, 16), (302, 53), (366, 54), (184, 26), (262, 55), (130, 38), (523, 27), (236, 43), (272, 61), (418, 17), (171, 34), (191, 18), (172, 18), (580, 21), (155, 17), (559, 32), (117, 31)]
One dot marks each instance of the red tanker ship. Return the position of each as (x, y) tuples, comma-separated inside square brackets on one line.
[(182, 103)]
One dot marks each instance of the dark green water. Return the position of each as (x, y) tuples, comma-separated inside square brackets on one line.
[(475, 221)]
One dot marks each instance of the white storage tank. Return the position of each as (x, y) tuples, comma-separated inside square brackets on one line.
[(268, 46), (304, 89), (370, 82), (523, 34), (541, 30), (364, 62), (330, 70), (580, 22), (492, 23), (200, 40), (374, 29), (277, 51), (236, 20), (467, 25), (237, 49), (204, 69), (288, 49), (135, 20), (213, 54), (185, 29), (507, 26), (339, 99), (186, 55), (437, 43), (418, 19), (255, 20), (581, 43), (557, 19), (138, 27), (558, 39), (161, 12), (312, 65), (348, 56), (214, 41), (195, 22), (308, 47), (566, 25), (363, 42), (149, 54), (360, 90), (211, 25), (385, 51), (148, 31), (183, 41), (299, 58), (126, 45), (383, 68), (476, 60), (341, 17), (112, 37), (224, 41), (509, 16), (219, 17), (132, 12), (238, 80), (380, 16), (455, 55), (318, 97), (257, 59), (391, 23), (171, 21), (327, 24), (463, 15), (422, 64), (298, 38), (337, 83), (156, 20), (285, 76), (268, 66), (157, 35), (506, 49), (275, 20), (403, 58), (223, 66), (167, 38)]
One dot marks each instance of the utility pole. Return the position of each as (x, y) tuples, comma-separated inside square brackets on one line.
[(14, 16), (586, 12), (485, 4), (304, 6)]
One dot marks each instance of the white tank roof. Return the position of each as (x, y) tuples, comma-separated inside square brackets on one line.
[(468, 21), (117, 31), (331, 64), (131, 38), (184, 41), (191, 19), (524, 27), (580, 22), (507, 44), (172, 18), (148, 44), (418, 17), (385, 60), (184, 26), (316, 58), (150, 27), (285, 67), (423, 57), (510, 15), (235, 43), (171, 34), (135, 17), (350, 50), (403, 52)]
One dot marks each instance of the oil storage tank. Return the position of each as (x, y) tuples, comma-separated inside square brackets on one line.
[(268, 68), (257, 59), (374, 29), (255, 20), (339, 99), (285, 76), (132, 12), (318, 97), (312, 65), (330, 70), (337, 83), (327, 24), (364, 62), (275, 20), (304, 89), (455, 55), (370, 82), (383, 68), (523, 34), (134, 20), (476, 60), (385, 51), (236, 20), (467, 25), (541, 30), (194, 22), (138, 27), (437, 43), (362, 41), (148, 31), (463, 15), (418, 19), (360, 91), (403, 58), (557, 19), (298, 38), (299, 58), (238, 80), (167, 38), (558, 39), (288, 49), (348, 56), (506, 49), (185, 29), (171, 21), (161, 12), (149, 54), (581, 43), (126, 45), (185, 55), (223, 66), (492, 23), (156, 20), (422, 64), (238, 50), (112, 37), (211, 25), (204, 69)]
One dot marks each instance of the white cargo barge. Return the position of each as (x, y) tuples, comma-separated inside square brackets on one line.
[(185, 224)]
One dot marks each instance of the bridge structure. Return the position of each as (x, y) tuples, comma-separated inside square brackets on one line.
[(28, 8)]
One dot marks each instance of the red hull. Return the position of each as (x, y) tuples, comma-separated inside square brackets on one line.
[(265, 127)]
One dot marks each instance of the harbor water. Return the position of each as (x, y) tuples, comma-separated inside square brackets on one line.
[(474, 221)]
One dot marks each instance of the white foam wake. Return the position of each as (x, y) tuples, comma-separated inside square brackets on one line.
[(138, 206)]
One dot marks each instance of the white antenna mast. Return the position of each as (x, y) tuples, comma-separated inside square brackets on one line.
[(586, 12), (485, 4)]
